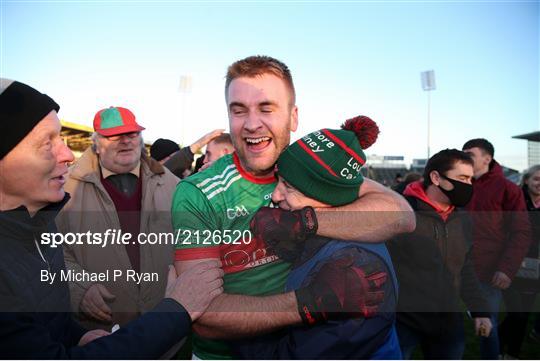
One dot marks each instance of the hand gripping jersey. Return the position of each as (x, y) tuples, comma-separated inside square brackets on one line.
[(211, 211)]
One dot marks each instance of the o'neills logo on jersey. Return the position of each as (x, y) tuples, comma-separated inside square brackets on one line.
[(236, 258), (239, 260), (237, 211)]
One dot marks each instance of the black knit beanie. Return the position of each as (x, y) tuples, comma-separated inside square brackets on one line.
[(21, 108), (162, 148)]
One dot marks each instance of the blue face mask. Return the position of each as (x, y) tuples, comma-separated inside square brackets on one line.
[(462, 193)]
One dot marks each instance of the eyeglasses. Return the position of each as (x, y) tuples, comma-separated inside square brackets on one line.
[(118, 136)]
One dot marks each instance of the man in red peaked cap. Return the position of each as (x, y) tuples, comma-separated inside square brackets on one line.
[(116, 186), (35, 312)]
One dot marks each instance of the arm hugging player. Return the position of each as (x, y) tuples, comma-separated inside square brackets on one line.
[(213, 207), (336, 280)]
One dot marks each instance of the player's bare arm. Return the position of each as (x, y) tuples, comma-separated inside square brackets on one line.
[(235, 316), (377, 215)]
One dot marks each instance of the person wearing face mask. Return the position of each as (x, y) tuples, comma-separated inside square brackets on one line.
[(433, 263)]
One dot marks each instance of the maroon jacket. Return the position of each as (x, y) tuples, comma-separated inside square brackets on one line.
[(501, 235)]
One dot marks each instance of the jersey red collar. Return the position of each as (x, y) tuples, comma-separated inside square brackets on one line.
[(266, 180)]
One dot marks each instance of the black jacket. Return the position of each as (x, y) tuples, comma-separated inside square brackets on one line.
[(527, 285), (534, 218), (35, 318), (435, 270), (180, 161)]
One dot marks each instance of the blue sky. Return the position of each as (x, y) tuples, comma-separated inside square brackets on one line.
[(347, 58)]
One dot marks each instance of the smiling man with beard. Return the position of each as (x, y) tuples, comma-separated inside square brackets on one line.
[(212, 211)]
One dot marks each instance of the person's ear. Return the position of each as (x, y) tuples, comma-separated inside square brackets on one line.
[(488, 158), (294, 119), (435, 177)]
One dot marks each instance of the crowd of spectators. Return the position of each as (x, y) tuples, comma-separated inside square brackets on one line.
[(281, 250)]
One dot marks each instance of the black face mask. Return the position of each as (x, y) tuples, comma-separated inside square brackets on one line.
[(460, 195)]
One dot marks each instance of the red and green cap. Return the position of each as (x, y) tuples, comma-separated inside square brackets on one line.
[(325, 164), (114, 121)]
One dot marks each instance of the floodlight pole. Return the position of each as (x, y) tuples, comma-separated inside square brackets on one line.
[(428, 123), (428, 84), (184, 89)]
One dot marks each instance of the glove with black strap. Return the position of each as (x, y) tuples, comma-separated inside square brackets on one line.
[(284, 231), (343, 288)]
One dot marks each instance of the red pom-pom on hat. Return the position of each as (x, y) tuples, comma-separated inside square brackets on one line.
[(366, 130)]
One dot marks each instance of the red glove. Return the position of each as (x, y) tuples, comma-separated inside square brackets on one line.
[(343, 288), (284, 231)]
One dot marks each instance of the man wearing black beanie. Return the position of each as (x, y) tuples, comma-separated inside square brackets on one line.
[(177, 160), (35, 320), (162, 149)]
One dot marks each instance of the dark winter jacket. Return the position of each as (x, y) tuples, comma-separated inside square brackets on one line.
[(501, 227), (524, 284), (534, 219), (435, 270), (372, 338), (35, 318), (180, 161)]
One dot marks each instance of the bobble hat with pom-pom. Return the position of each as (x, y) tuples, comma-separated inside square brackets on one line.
[(325, 164)]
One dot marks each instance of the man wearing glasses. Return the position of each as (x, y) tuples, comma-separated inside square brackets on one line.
[(115, 188)]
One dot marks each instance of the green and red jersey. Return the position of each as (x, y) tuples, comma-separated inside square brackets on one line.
[(211, 211)]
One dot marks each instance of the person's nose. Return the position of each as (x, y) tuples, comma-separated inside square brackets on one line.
[(277, 195), (253, 123), (124, 139), (64, 154)]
